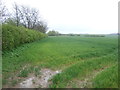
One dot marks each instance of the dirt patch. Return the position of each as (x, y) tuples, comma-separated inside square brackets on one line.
[(41, 81)]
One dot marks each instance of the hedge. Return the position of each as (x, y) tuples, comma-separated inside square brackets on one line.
[(13, 36)]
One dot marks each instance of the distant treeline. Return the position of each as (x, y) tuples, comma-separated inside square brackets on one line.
[(94, 35), (56, 33), (13, 36)]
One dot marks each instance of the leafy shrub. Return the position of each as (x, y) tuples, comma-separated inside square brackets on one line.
[(13, 36)]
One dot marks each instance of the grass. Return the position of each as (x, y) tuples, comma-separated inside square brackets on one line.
[(23, 73), (81, 69), (109, 76), (76, 56)]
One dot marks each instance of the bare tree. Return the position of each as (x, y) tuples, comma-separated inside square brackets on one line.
[(41, 26), (3, 12), (29, 18), (26, 15), (17, 14), (2, 9), (34, 17)]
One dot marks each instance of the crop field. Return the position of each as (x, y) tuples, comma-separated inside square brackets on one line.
[(83, 62)]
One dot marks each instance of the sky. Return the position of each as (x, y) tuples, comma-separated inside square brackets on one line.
[(76, 16)]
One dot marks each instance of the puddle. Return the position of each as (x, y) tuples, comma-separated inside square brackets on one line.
[(41, 81)]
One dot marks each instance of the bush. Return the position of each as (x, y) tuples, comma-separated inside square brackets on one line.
[(13, 36)]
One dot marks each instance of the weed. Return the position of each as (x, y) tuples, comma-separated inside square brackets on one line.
[(23, 73), (14, 82)]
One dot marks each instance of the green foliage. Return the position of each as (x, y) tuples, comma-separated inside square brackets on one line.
[(23, 73), (53, 33), (11, 21), (13, 36)]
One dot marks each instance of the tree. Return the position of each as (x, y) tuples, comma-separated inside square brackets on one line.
[(29, 18), (3, 12), (16, 14), (23, 16), (53, 33), (41, 26)]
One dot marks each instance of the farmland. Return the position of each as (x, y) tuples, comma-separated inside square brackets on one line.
[(85, 62)]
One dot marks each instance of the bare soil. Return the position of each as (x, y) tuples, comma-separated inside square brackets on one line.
[(41, 81)]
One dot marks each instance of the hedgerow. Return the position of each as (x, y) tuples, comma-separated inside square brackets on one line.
[(13, 36)]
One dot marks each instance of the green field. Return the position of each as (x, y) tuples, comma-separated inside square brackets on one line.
[(85, 61)]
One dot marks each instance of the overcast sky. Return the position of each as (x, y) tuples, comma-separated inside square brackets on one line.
[(76, 16)]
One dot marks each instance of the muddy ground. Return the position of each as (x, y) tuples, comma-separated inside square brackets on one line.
[(41, 81)]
